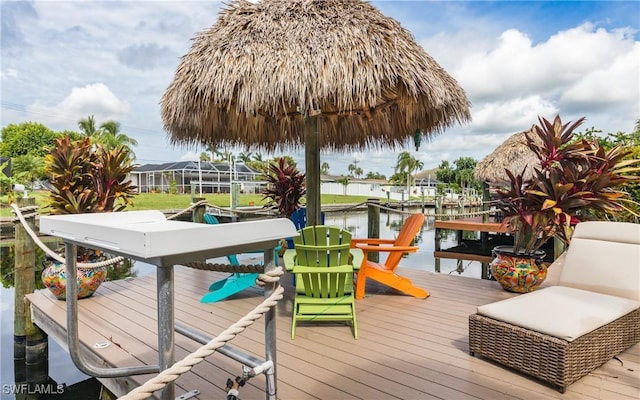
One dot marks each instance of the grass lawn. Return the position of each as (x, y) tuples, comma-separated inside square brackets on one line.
[(163, 201)]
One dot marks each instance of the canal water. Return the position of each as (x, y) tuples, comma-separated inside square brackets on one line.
[(62, 370)]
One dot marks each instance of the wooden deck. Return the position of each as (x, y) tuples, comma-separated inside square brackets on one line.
[(407, 348)]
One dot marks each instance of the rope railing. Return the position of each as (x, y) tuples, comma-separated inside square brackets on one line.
[(349, 207), (389, 209), (186, 210), (449, 216), (186, 364), (57, 257)]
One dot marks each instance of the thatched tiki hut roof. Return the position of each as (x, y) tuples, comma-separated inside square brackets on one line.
[(513, 154), (332, 74)]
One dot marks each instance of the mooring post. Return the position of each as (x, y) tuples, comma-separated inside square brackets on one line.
[(25, 261), (439, 204), (198, 212), (30, 343), (486, 197), (373, 225)]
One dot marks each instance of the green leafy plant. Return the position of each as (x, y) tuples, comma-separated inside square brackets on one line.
[(88, 178), (571, 179), (286, 187)]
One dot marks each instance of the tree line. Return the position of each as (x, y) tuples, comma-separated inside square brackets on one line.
[(26, 144)]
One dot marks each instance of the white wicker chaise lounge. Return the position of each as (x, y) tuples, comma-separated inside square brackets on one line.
[(561, 333)]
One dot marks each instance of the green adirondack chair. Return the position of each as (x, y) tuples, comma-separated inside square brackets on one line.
[(324, 277)]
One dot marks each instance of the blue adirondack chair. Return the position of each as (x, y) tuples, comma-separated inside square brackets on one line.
[(232, 284), (299, 219)]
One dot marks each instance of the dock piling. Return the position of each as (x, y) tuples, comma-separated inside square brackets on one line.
[(30, 344), (198, 212), (373, 225)]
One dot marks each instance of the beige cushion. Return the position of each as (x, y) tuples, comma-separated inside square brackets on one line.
[(563, 312), (604, 257)]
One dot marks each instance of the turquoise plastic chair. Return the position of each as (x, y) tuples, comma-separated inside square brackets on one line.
[(234, 283)]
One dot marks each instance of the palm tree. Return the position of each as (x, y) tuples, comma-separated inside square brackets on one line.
[(29, 167), (407, 164), (344, 180), (324, 168), (88, 128), (354, 170), (110, 137), (245, 157), (258, 163)]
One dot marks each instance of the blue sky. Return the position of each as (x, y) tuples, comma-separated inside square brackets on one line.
[(517, 60)]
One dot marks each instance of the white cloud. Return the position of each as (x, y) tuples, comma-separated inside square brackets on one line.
[(9, 73), (94, 99), (190, 156), (512, 115), (616, 82), (581, 71)]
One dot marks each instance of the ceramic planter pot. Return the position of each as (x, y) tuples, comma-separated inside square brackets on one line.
[(88, 279), (518, 272)]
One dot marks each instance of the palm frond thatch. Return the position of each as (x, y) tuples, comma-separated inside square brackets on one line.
[(262, 68), (513, 154)]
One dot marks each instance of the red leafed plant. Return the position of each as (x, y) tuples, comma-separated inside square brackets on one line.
[(570, 180), (286, 187), (87, 179)]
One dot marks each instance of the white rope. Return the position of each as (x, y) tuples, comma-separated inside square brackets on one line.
[(468, 214), (350, 207), (380, 206), (191, 207), (186, 364), (52, 253)]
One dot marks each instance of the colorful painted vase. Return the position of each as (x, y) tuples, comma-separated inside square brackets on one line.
[(88, 279), (518, 272)]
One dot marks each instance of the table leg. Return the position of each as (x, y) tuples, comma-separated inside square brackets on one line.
[(166, 333)]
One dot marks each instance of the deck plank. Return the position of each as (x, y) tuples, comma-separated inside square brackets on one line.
[(407, 348)]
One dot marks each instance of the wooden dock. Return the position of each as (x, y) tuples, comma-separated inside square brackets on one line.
[(407, 348)]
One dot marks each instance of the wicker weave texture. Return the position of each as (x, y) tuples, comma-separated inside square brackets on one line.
[(549, 358)]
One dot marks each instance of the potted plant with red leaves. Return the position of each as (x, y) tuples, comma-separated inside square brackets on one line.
[(285, 187), (571, 179), (85, 178)]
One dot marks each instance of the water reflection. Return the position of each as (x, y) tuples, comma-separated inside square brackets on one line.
[(390, 225)]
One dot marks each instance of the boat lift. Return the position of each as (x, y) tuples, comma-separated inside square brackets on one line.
[(149, 237)]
